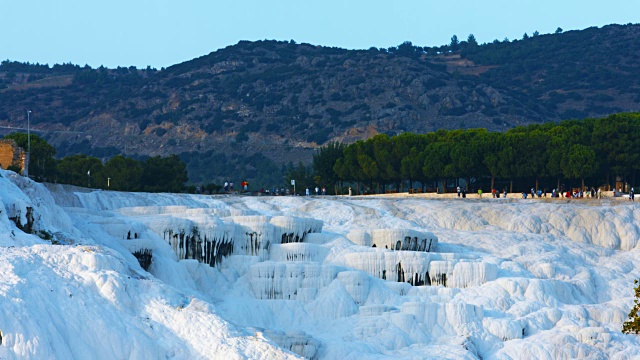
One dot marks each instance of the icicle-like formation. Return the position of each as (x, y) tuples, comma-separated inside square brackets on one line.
[(254, 238), (298, 342), (467, 274), (298, 252), (208, 238), (461, 274), (270, 280), (418, 268), (444, 319), (292, 229), (360, 237), (395, 239), (144, 256), (440, 272), (405, 266), (208, 245)]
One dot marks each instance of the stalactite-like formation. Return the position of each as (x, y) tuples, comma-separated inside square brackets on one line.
[(204, 249), (209, 239), (289, 281), (16, 217), (298, 342), (144, 256), (420, 268), (395, 239)]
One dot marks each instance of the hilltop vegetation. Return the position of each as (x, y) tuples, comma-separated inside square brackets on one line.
[(572, 152), (267, 103)]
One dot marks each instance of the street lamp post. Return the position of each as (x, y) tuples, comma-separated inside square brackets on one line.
[(28, 143)]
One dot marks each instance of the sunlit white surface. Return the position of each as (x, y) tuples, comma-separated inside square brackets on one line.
[(299, 276)]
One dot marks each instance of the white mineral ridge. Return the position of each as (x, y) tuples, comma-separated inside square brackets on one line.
[(300, 277)]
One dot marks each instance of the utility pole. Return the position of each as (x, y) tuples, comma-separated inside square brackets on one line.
[(26, 172)]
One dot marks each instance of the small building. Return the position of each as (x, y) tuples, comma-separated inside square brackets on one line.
[(621, 184), (11, 155)]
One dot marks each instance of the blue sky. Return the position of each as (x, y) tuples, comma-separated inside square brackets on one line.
[(161, 33)]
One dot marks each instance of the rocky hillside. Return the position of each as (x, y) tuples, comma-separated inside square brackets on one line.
[(256, 102)]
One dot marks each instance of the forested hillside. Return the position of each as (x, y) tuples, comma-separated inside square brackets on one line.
[(245, 110)]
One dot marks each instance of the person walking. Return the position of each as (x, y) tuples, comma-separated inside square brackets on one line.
[(458, 191), (480, 193)]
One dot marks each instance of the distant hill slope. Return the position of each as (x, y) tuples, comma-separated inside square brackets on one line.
[(280, 100)]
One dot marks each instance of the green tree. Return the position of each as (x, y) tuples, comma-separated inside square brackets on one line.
[(303, 175), (436, 160), (466, 153), (347, 167), (493, 145), (163, 174), (580, 162), (471, 40), (455, 43), (556, 151), (409, 148), (559, 30), (616, 140), (42, 164), (384, 154), (124, 173), (632, 326), (324, 161), (411, 166), (367, 163), (81, 170), (407, 49)]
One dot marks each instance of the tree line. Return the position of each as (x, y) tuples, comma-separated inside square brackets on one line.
[(573, 151), (154, 174)]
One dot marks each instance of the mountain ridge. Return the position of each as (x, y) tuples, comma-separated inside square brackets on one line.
[(281, 100)]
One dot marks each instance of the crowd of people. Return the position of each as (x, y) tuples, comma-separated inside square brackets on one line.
[(591, 193), (274, 191)]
